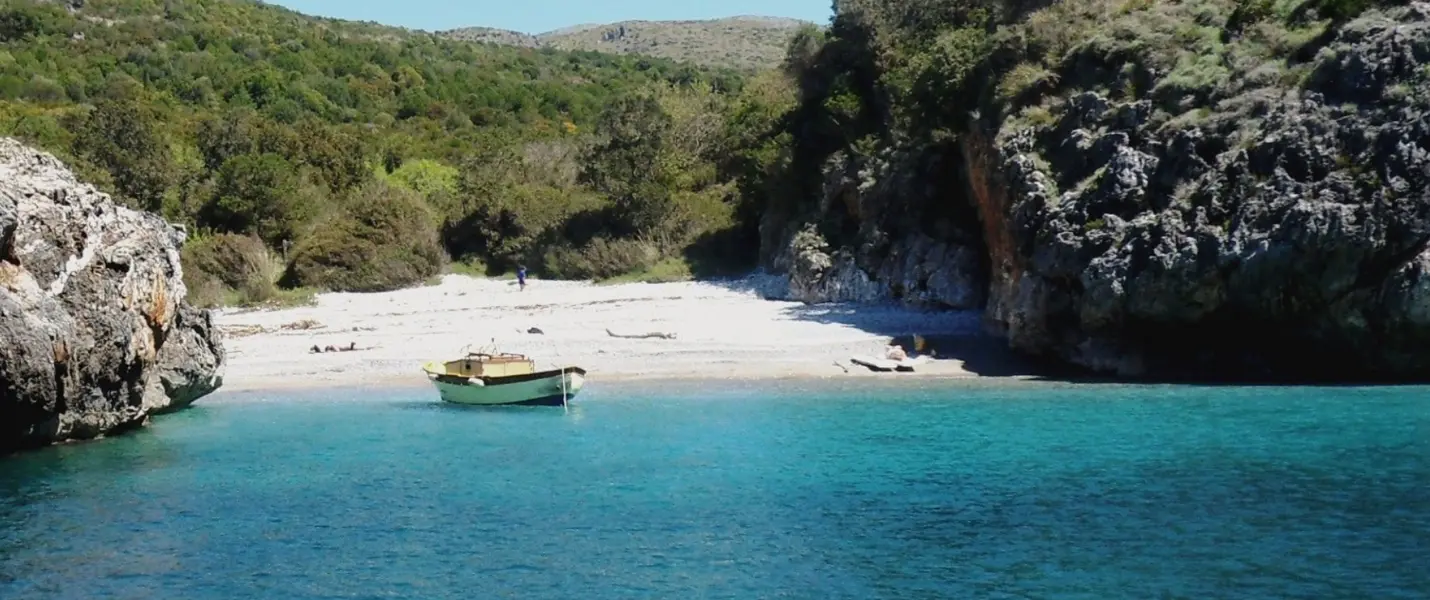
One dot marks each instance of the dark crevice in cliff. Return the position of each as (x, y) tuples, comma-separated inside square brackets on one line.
[(956, 216), (1302, 344), (951, 216), (1375, 275), (891, 225), (29, 431), (61, 376)]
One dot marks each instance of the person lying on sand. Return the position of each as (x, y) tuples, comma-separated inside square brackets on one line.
[(352, 346)]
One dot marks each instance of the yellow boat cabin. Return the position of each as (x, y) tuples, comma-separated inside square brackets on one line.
[(486, 365)]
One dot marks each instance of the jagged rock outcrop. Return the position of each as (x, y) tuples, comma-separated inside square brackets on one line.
[(1274, 227), (95, 335), (1285, 234)]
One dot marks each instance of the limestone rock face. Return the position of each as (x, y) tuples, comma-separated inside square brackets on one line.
[(1282, 235), (95, 335), (1279, 230)]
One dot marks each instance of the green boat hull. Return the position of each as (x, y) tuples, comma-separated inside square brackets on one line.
[(546, 388)]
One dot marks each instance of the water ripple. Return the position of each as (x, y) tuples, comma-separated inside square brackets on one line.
[(976, 491)]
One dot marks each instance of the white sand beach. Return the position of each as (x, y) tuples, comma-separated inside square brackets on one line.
[(722, 330)]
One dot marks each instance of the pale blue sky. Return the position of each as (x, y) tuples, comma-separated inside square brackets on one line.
[(538, 16)]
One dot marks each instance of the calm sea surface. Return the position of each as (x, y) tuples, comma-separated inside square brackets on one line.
[(771, 490)]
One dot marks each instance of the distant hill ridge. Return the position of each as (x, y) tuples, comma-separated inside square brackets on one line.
[(744, 41)]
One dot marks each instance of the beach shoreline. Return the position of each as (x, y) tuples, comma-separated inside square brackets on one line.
[(719, 331), (420, 382)]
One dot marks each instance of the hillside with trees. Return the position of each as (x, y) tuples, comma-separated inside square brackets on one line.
[(1175, 188), (746, 42), (308, 153)]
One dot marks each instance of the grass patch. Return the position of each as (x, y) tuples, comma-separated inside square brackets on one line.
[(476, 269), (292, 298), (1039, 116), (278, 298), (1191, 118), (1023, 79), (470, 268), (664, 271)]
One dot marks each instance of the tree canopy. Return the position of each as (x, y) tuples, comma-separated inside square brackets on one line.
[(244, 119)]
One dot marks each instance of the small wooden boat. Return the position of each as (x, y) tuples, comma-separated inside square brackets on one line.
[(483, 379)]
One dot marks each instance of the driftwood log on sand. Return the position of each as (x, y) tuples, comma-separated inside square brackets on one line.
[(642, 336), (238, 331), (353, 347)]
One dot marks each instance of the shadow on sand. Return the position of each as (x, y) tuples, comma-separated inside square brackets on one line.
[(764, 285), (961, 336), (949, 335)]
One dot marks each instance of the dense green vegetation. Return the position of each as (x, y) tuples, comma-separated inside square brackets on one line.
[(313, 153), (916, 76)]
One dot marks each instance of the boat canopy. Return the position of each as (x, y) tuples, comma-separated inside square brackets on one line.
[(481, 364)]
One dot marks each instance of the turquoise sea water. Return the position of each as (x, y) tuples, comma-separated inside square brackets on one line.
[(770, 490)]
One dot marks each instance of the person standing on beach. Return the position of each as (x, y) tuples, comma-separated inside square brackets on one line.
[(521, 278)]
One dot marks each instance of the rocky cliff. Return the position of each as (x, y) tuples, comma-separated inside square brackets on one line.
[(95, 335), (1271, 220)]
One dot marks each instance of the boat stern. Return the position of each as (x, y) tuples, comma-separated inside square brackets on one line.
[(575, 380)]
